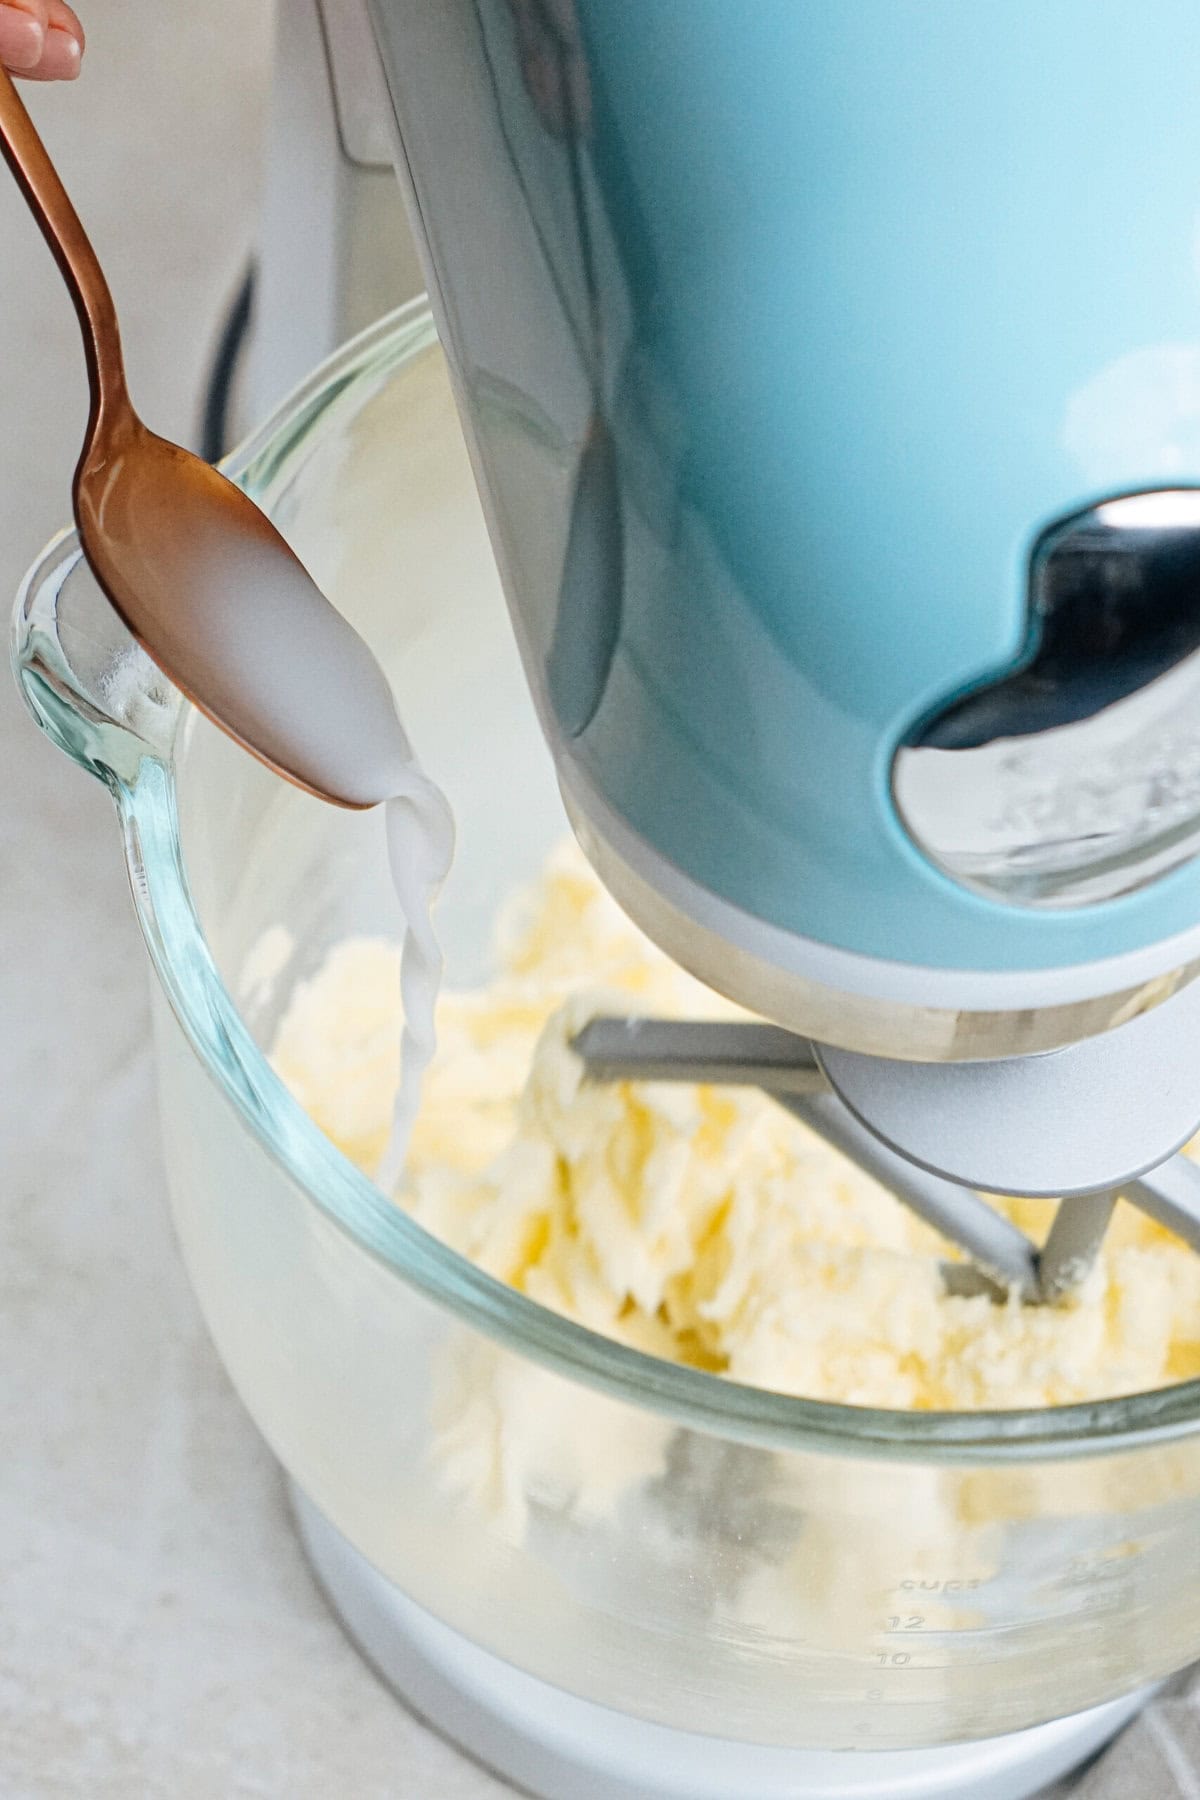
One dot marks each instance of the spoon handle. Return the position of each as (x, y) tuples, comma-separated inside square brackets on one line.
[(38, 179)]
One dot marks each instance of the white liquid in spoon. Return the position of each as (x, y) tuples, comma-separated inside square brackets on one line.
[(420, 837)]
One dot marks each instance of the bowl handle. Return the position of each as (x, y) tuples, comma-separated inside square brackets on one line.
[(91, 688)]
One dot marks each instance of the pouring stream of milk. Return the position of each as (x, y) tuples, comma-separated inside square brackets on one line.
[(291, 678), (420, 839)]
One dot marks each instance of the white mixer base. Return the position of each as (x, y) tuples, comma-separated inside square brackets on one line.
[(561, 1748)]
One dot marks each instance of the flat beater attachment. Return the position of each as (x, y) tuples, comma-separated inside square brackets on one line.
[(793, 1071)]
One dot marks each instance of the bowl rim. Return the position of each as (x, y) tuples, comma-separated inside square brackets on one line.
[(264, 465)]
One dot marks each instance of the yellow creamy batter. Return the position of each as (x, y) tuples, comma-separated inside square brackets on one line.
[(702, 1224)]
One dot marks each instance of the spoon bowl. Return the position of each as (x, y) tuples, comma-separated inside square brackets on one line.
[(198, 574)]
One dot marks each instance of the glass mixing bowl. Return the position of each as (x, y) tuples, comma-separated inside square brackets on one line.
[(675, 1547)]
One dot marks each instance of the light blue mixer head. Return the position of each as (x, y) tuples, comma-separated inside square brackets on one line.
[(832, 374)]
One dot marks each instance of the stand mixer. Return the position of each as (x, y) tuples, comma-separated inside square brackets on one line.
[(859, 590)]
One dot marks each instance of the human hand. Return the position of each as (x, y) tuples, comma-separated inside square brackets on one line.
[(40, 39)]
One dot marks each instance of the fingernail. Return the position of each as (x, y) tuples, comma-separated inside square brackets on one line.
[(61, 56), (22, 39)]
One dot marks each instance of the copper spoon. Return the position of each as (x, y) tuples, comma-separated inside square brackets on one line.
[(198, 574)]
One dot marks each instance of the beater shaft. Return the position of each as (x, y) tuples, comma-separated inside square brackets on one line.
[(998, 1248), (1171, 1195), (1074, 1241), (727, 1053)]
